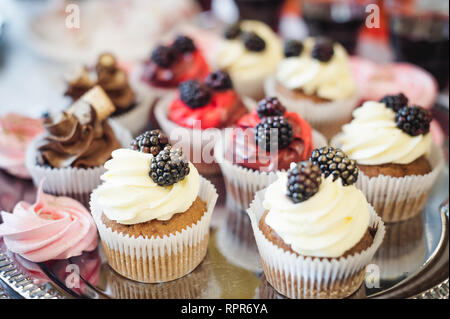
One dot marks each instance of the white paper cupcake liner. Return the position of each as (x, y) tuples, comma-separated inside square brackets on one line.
[(157, 259), (400, 198), (309, 277), (327, 117), (242, 183), (194, 142), (137, 118), (70, 181)]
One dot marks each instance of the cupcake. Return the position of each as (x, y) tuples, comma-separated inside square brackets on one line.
[(314, 229), (264, 141), (397, 159), (16, 132), (315, 80), (250, 52), (153, 211), (197, 111), (51, 228), (76, 143), (131, 107), (170, 65)]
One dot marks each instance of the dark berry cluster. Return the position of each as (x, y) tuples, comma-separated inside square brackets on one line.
[(194, 94), (253, 42), (303, 181), (270, 106), (274, 132), (323, 50), (168, 167), (219, 81), (335, 162), (183, 44), (395, 102), (150, 142), (232, 31), (163, 56), (413, 120), (293, 48)]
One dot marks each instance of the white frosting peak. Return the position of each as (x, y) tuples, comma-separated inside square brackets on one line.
[(372, 138), (328, 224), (129, 195)]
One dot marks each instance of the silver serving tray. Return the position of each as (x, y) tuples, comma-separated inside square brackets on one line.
[(411, 263)]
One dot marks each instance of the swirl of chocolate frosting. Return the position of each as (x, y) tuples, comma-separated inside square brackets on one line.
[(76, 139)]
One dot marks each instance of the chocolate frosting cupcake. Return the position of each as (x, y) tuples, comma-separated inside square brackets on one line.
[(76, 139)]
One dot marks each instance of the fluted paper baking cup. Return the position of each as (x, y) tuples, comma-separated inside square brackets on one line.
[(70, 181), (242, 183), (157, 259), (327, 118), (400, 198), (137, 118), (301, 277), (194, 142)]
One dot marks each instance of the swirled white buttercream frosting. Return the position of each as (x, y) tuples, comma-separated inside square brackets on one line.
[(372, 138), (244, 64), (329, 80), (328, 224), (129, 195)]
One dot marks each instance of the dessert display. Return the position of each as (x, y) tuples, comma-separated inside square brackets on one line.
[(153, 211), (76, 143), (170, 65), (201, 107), (51, 228), (250, 52), (264, 141), (16, 132), (314, 79), (398, 161), (313, 217), (131, 109)]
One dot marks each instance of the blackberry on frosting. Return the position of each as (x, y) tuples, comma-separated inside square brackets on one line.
[(335, 162), (270, 126), (151, 142), (270, 106), (323, 50), (183, 44), (219, 81), (413, 120), (253, 42), (163, 56), (194, 94), (293, 48), (395, 102), (169, 167), (303, 181)]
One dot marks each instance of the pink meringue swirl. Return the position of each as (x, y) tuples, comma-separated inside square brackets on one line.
[(52, 228), (16, 132)]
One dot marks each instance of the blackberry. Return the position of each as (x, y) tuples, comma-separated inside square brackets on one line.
[(395, 102), (293, 48), (150, 142), (323, 50), (413, 120), (194, 94), (335, 162), (183, 44), (270, 106), (303, 181), (269, 126), (233, 31), (219, 81), (168, 167), (163, 56), (253, 42)]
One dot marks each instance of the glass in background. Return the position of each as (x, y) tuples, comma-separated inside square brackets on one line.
[(419, 35), (267, 11), (340, 20)]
